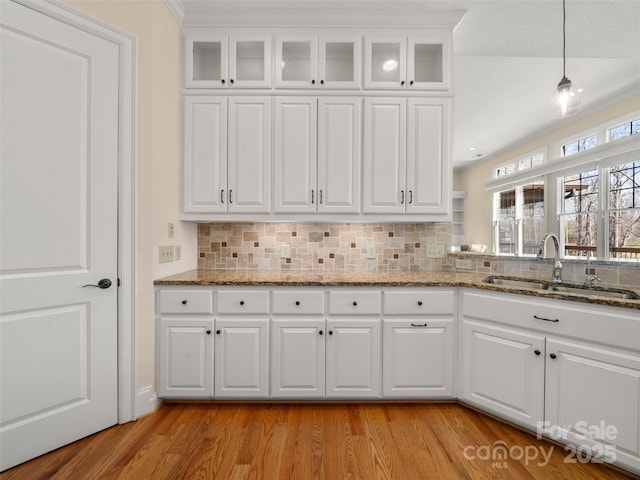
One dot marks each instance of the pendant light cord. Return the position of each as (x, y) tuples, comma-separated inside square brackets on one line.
[(564, 39)]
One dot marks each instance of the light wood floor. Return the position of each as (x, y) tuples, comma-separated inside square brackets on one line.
[(206, 441)]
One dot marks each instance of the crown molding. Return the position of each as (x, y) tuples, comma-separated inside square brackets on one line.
[(330, 13), (176, 7)]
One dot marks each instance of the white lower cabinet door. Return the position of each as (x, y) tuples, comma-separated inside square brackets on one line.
[(593, 399), (418, 358), (185, 357), (353, 358), (242, 358), (503, 371), (297, 358)]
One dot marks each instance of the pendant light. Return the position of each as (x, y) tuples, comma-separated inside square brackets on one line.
[(567, 99)]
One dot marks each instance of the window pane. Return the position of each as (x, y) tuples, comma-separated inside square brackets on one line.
[(581, 192), (625, 130), (533, 161), (533, 223), (507, 236), (579, 234), (507, 205), (505, 170), (624, 186), (624, 234), (580, 145)]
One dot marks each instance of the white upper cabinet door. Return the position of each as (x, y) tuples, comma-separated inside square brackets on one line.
[(385, 63), (250, 61), (384, 155), (353, 358), (242, 358), (428, 63), (249, 160), (339, 155), (339, 62), (206, 61), (205, 155), (295, 154), (428, 172), (296, 62)]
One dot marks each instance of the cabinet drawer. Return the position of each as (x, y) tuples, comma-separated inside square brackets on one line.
[(186, 301), (419, 302), (298, 302), (243, 302), (354, 303)]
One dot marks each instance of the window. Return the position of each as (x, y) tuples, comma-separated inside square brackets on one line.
[(579, 207), (524, 163), (624, 130), (519, 222), (623, 211), (580, 145), (531, 161)]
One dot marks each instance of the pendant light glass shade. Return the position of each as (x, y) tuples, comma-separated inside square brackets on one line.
[(567, 98)]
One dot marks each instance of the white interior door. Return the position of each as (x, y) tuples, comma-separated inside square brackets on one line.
[(59, 150)]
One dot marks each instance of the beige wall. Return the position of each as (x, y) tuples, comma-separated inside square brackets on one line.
[(158, 163), (472, 179)]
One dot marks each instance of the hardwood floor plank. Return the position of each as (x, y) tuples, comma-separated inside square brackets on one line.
[(366, 441)]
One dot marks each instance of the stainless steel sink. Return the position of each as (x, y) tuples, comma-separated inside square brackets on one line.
[(529, 283), (595, 291), (570, 288)]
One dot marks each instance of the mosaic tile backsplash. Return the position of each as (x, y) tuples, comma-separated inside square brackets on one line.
[(321, 246)]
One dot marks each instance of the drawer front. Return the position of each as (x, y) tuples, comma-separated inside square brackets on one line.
[(298, 302), (354, 303), (243, 302), (178, 302), (419, 302)]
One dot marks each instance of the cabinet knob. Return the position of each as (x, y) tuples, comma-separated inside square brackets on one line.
[(537, 352), (411, 82), (553, 355), (223, 81), (208, 332), (184, 302), (297, 303), (402, 83), (313, 82), (355, 304), (241, 302), (231, 81), (321, 82), (419, 303), (330, 332), (320, 332), (218, 332)]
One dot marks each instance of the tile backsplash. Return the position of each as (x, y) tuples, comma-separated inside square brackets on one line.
[(321, 246)]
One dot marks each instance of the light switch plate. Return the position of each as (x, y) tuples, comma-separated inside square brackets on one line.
[(165, 253), (285, 250), (463, 264), (170, 230), (434, 251), (371, 251)]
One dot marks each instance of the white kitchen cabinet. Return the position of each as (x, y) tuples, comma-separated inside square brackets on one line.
[(297, 357), (222, 61), (593, 391), (242, 357), (353, 358), (317, 155), (406, 151), (412, 63), (227, 154), (503, 371), (317, 62)]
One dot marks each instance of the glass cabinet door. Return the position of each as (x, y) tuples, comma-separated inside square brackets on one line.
[(385, 63), (339, 62), (296, 62), (250, 62), (206, 62), (427, 67)]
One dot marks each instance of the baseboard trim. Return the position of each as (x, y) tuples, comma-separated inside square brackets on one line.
[(147, 401)]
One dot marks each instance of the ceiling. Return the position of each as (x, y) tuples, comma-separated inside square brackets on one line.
[(508, 61)]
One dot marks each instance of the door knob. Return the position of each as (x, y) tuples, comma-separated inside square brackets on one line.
[(104, 283)]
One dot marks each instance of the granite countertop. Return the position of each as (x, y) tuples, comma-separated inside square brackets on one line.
[(274, 278)]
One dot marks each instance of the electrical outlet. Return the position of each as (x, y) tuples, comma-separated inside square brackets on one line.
[(463, 264), (285, 250), (371, 251), (177, 252), (165, 253), (171, 230), (434, 251)]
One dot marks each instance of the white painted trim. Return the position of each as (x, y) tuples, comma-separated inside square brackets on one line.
[(127, 155), (176, 7), (147, 401)]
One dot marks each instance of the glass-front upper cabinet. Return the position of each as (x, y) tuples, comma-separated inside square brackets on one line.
[(242, 61), (418, 63), (310, 62)]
